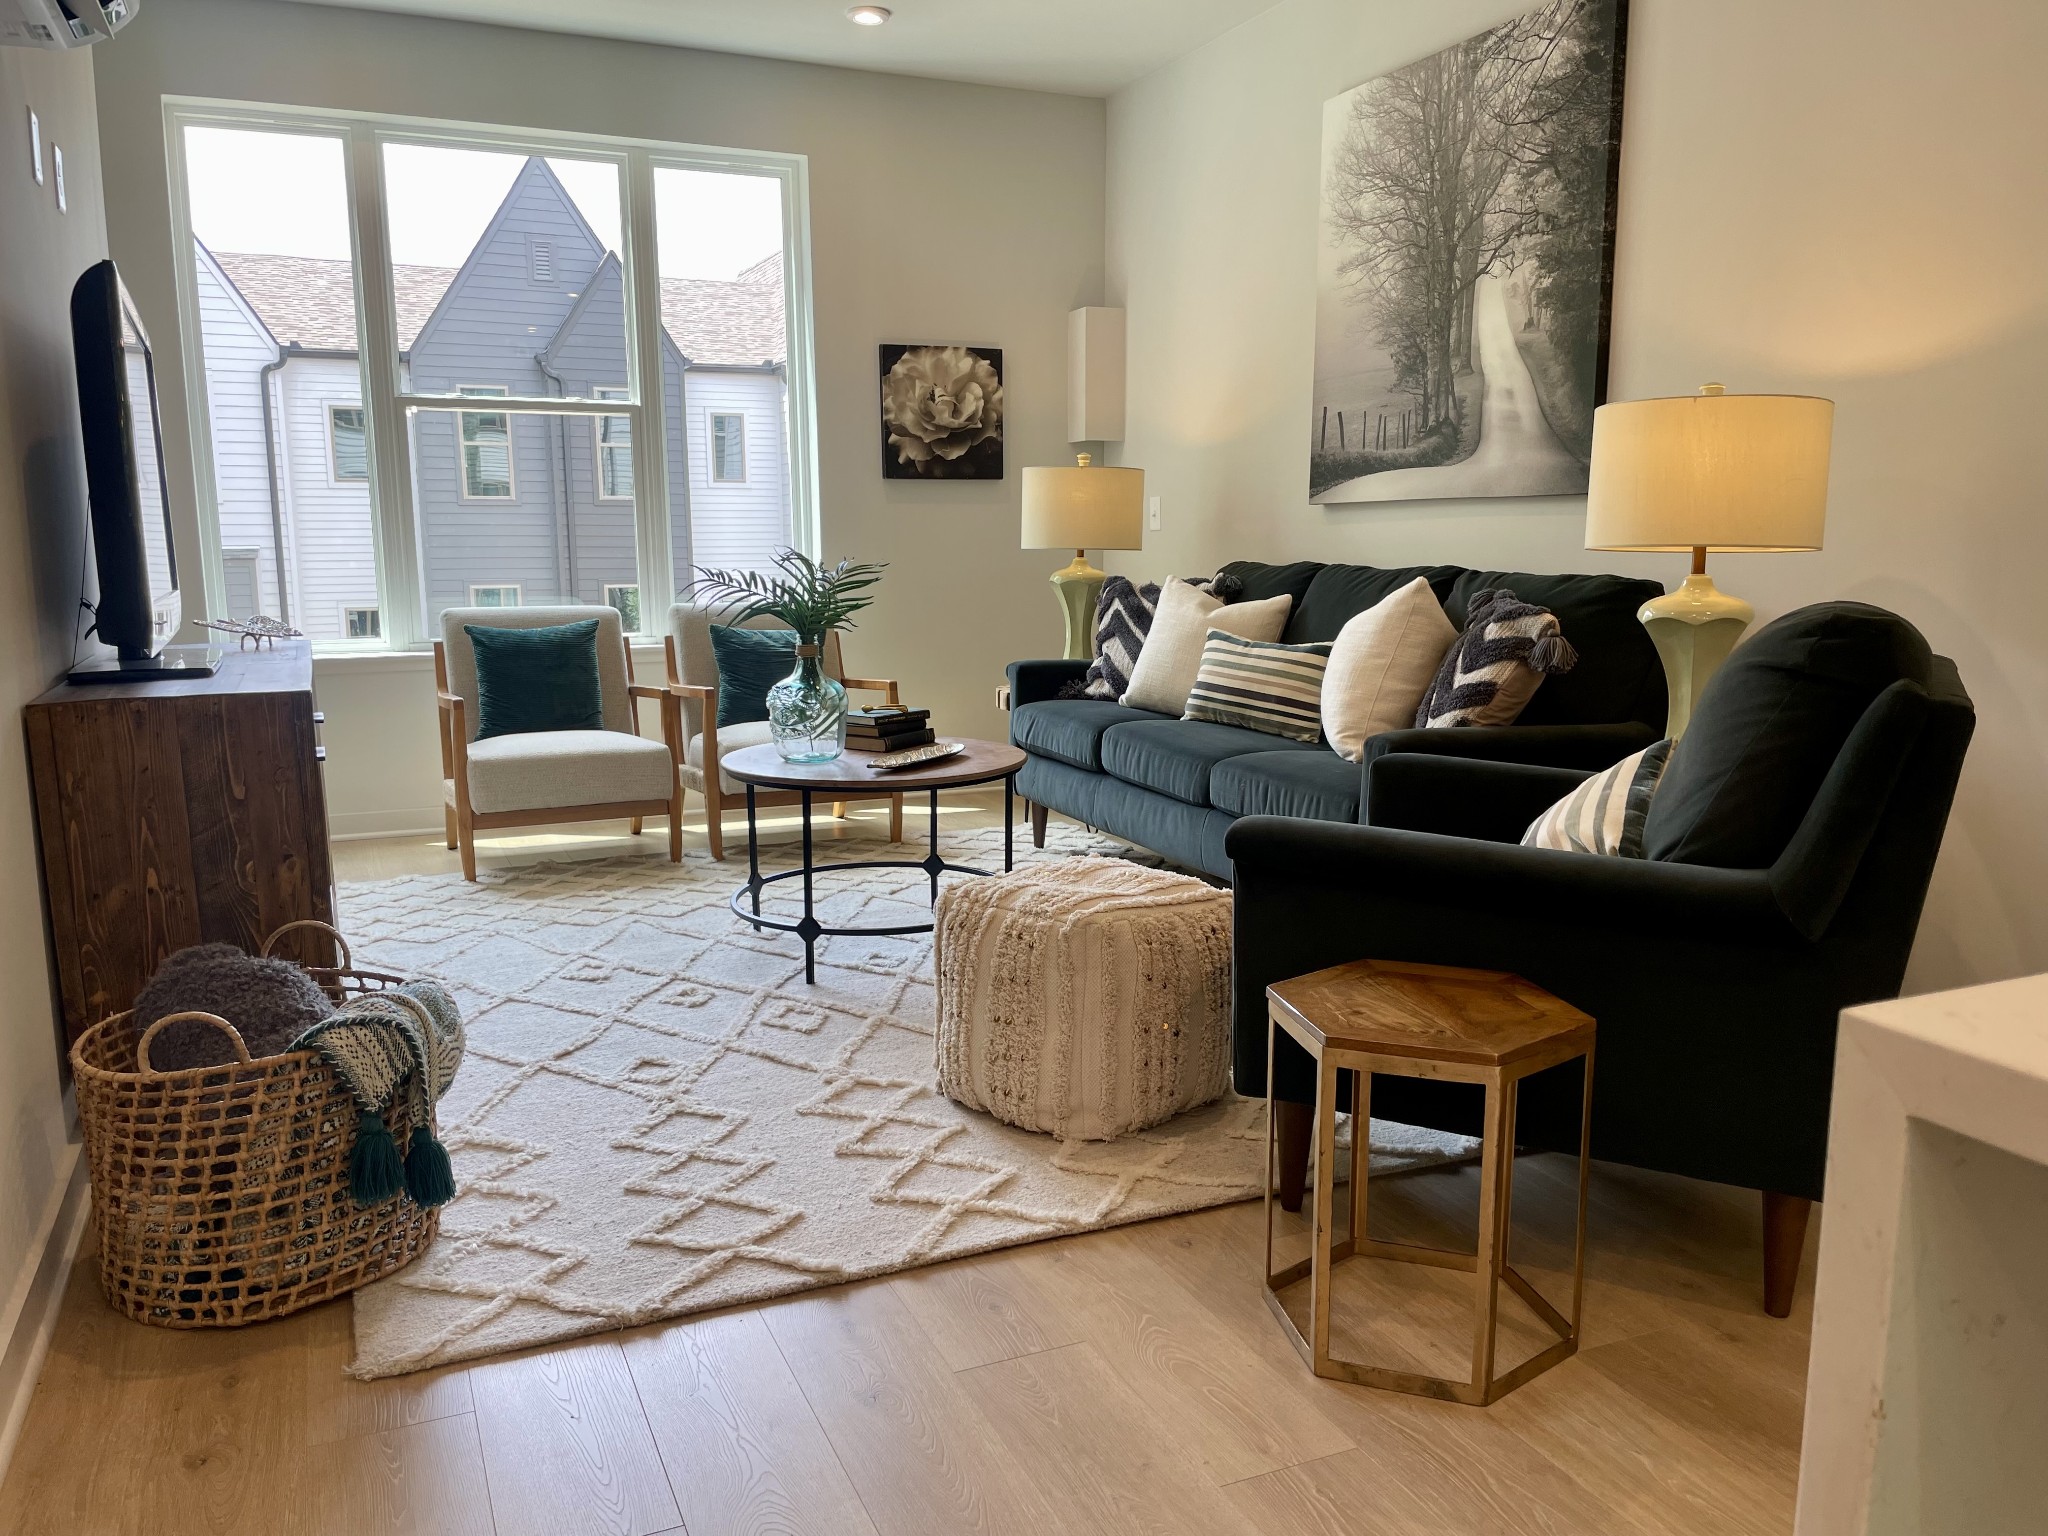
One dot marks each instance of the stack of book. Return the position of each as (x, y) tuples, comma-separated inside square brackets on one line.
[(887, 728)]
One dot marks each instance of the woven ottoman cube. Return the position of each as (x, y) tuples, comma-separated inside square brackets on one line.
[(1084, 998)]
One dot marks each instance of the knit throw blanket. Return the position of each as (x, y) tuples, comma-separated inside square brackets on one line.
[(403, 1042)]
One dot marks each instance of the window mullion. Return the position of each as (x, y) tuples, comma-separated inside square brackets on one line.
[(394, 529), (646, 375)]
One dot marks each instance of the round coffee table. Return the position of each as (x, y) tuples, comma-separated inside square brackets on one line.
[(762, 767)]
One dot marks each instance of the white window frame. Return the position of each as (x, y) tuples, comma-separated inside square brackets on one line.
[(517, 589), (334, 475), (600, 448), (376, 614), (387, 395), (462, 443), (711, 421), (624, 586)]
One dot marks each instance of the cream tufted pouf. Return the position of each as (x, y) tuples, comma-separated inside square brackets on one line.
[(1083, 997)]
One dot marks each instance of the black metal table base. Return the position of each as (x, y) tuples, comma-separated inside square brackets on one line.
[(808, 928)]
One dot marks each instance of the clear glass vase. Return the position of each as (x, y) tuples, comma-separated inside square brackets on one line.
[(807, 710)]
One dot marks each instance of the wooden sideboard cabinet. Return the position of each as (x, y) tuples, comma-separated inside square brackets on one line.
[(179, 813)]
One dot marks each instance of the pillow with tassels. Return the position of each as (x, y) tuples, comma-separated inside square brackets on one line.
[(1493, 669)]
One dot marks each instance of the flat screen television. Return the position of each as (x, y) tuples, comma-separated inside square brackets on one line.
[(139, 607)]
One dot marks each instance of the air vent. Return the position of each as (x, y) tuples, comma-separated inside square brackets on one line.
[(543, 261)]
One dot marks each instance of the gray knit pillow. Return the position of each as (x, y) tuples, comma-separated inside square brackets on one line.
[(1492, 670), (270, 1002)]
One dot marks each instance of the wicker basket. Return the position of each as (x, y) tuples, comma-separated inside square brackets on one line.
[(220, 1195)]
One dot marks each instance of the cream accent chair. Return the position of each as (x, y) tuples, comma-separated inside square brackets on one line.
[(538, 778), (693, 681)]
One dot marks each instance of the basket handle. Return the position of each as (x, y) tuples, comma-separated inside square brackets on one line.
[(347, 960), (149, 1034)]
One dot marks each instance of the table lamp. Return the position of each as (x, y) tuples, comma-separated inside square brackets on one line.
[(1082, 508), (1711, 471)]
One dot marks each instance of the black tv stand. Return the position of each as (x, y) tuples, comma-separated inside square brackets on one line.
[(173, 664)]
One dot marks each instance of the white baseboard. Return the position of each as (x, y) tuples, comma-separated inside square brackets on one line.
[(413, 821), (31, 1320)]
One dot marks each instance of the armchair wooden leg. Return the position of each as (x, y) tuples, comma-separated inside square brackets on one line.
[(1038, 818), (448, 821), (839, 810), (895, 818), (675, 826), (1295, 1123), (466, 836), (714, 823), (1785, 1218)]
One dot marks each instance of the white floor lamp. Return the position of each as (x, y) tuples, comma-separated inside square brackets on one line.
[(1699, 473)]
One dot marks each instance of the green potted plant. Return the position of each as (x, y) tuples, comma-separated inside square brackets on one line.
[(807, 709)]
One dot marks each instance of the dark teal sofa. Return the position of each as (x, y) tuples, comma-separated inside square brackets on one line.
[(1176, 786)]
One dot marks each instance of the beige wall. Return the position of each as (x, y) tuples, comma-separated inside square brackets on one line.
[(1838, 197), (42, 541), (938, 212)]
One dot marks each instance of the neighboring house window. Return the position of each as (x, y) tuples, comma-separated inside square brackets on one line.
[(504, 596), (362, 623), (244, 587), (728, 448), (350, 443), (627, 600), (486, 449), (614, 450)]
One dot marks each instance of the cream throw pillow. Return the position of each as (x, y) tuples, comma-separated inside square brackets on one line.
[(1171, 658), (1381, 665)]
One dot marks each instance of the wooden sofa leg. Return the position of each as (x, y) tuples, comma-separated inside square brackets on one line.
[(1295, 1122), (633, 826), (1038, 818), (1785, 1218)]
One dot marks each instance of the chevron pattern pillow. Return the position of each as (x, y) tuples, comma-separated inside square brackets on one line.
[(1261, 685), (1605, 814), (1493, 669), (1123, 618)]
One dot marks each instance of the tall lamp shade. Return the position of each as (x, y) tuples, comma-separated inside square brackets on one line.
[(1707, 473), (1082, 507)]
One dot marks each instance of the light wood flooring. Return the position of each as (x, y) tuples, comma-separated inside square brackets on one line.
[(1122, 1381)]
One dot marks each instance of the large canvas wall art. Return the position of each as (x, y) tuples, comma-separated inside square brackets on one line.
[(1465, 262)]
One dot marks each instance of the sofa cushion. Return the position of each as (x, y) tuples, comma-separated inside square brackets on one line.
[(1618, 676), (1318, 785), (1339, 593), (1258, 581), (1770, 725), (1070, 730), (548, 770), (1175, 757)]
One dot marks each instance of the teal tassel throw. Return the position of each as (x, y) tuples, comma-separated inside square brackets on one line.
[(374, 1172), (429, 1177)]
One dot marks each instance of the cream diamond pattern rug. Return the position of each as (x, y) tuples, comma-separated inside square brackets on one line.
[(657, 1116)]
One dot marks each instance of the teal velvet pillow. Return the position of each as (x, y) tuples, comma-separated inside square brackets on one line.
[(541, 679), (750, 662)]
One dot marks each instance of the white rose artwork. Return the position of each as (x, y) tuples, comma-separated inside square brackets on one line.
[(942, 412)]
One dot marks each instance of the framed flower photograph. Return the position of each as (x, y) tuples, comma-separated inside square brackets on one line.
[(942, 412)]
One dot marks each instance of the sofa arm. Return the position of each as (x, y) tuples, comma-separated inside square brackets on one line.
[(1462, 797), (1591, 747), (1033, 682)]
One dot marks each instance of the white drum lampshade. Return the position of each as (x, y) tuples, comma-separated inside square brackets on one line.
[(1711, 472), (1082, 508)]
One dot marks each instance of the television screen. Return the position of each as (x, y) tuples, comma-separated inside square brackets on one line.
[(138, 608)]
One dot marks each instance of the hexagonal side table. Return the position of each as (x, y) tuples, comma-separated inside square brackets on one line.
[(1485, 1027)]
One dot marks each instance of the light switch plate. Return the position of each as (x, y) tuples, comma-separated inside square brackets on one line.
[(57, 166), (1152, 513), (35, 143)]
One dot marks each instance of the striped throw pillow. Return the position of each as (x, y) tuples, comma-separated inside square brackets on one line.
[(1604, 814), (1261, 685)]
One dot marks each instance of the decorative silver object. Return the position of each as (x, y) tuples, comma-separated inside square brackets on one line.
[(258, 629), (917, 757)]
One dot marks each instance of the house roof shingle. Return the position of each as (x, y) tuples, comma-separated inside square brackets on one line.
[(311, 301)]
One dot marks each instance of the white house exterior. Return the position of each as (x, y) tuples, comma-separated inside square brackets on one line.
[(511, 509)]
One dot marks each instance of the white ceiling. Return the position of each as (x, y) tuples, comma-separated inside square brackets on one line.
[(1084, 47)]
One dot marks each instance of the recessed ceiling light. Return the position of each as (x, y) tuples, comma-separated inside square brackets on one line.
[(868, 15)]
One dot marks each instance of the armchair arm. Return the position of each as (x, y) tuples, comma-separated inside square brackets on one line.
[(1591, 747), (455, 741), (1032, 682), (886, 686), (1462, 797), (646, 691)]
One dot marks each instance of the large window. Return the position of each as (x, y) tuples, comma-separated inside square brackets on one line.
[(641, 286)]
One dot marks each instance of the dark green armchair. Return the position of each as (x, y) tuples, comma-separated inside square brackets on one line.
[(1788, 852)]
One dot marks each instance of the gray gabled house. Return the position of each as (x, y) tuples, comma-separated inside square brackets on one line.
[(511, 509)]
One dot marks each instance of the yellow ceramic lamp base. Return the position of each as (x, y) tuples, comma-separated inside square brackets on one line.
[(1077, 587), (1693, 629)]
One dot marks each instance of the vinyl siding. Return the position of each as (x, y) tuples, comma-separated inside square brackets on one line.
[(337, 563), (236, 348), (738, 524)]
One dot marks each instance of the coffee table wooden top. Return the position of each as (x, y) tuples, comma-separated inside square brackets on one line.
[(1430, 1012), (979, 763)]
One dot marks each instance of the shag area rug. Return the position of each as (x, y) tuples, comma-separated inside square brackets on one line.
[(657, 1116)]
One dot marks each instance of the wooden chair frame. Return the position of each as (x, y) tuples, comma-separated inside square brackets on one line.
[(463, 822), (706, 697)]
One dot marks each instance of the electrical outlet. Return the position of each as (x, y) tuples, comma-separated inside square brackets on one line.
[(1152, 513)]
